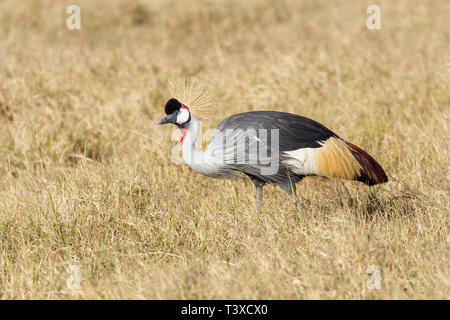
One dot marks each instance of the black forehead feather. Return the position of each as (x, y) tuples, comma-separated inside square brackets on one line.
[(172, 105)]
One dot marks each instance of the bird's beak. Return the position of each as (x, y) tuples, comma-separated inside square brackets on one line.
[(170, 118), (162, 121)]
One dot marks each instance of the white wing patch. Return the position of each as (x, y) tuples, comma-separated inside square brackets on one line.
[(302, 161)]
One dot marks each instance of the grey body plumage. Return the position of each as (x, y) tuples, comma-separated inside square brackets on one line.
[(271, 147), (294, 132), (220, 158)]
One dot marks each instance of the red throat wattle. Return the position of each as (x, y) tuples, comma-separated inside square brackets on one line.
[(183, 135)]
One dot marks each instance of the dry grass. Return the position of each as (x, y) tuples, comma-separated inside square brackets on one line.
[(86, 176)]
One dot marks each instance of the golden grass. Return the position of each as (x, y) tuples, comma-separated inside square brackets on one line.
[(86, 177)]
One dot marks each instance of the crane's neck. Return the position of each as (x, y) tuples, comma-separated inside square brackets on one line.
[(190, 132), (197, 160)]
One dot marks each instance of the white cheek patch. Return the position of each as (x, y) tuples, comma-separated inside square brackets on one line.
[(183, 116)]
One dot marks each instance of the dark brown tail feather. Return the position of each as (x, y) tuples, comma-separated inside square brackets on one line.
[(372, 173)]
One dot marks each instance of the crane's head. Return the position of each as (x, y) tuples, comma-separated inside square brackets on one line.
[(176, 112)]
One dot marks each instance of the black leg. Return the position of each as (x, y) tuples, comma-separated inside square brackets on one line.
[(289, 186), (259, 184), (259, 196)]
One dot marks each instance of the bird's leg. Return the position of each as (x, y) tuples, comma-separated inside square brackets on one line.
[(259, 196), (259, 184), (289, 187)]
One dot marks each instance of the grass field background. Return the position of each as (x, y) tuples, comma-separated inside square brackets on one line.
[(86, 178)]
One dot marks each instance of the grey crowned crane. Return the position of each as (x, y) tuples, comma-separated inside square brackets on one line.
[(267, 146)]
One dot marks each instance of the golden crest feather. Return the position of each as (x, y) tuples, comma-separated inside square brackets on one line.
[(194, 94)]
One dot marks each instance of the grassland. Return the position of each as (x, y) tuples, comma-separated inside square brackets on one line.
[(86, 177)]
